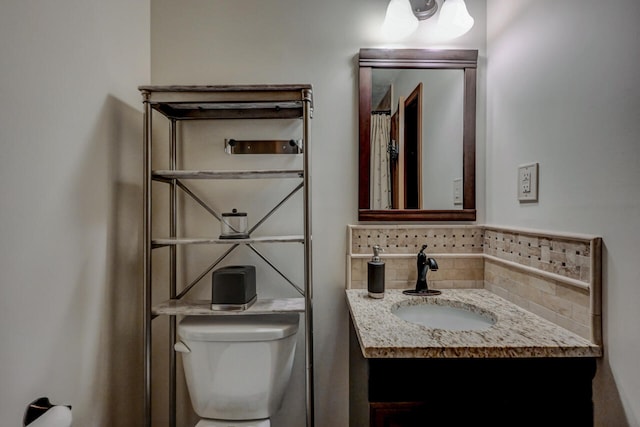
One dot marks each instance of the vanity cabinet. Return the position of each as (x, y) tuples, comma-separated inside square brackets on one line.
[(406, 392), (398, 414), (251, 104)]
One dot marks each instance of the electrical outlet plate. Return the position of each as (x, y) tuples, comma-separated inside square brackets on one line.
[(528, 182), (457, 191)]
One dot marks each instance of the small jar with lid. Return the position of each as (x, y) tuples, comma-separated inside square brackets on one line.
[(234, 225)]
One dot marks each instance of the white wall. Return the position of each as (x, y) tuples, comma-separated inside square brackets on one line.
[(70, 132), (562, 91), (294, 41)]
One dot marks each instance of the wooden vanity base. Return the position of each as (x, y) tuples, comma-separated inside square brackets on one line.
[(397, 392)]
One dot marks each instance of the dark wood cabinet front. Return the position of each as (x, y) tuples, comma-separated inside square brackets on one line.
[(495, 392), (397, 414)]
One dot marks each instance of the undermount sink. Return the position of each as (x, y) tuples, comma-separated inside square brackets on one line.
[(445, 317)]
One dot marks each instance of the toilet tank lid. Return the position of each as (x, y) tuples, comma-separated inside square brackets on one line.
[(254, 327)]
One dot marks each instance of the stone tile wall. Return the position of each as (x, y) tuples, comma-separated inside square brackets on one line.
[(401, 273), (562, 304), (453, 247), (409, 239), (554, 275), (564, 256)]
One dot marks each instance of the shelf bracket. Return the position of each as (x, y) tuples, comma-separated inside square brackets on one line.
[(276, 207), (205, 272), (201, 202), (297, 288)]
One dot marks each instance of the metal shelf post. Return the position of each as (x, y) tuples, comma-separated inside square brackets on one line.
[(178, 103)]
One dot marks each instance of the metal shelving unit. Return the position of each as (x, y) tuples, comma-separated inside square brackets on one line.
[(181, 103)]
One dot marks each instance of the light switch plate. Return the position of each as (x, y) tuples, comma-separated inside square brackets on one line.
[(528, 182), (457, 191)]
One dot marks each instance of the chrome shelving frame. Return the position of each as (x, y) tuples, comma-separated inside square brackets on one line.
[(179, 103)]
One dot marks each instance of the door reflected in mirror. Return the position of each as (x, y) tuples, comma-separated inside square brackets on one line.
[(417, 134), (415, 162)]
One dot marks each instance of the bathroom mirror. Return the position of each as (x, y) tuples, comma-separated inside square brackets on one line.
[(417, 135)]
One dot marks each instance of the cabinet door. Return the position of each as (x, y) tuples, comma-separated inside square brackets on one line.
[(398, 414)]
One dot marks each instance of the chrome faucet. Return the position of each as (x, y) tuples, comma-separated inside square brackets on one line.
[(424, 264)]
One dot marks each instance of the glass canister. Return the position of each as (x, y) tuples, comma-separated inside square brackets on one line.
[(234, 225)]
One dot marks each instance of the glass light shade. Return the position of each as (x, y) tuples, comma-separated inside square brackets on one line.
[(399, 21), (454, 19)]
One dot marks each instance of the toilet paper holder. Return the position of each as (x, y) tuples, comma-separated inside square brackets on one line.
[(42, 413)]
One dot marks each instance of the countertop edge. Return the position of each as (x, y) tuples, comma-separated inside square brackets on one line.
[(588, 350), (484, 353)]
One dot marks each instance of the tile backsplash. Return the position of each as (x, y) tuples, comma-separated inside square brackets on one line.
[(554, 275), (401, 273), (459, 248), (563, 256), (409, 240), (565, 305)]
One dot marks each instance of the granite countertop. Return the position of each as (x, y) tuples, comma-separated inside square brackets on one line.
[(516, 332)]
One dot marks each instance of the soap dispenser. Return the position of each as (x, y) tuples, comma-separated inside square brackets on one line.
[(375, 274)]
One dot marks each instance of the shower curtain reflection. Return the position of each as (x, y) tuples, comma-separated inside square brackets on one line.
[(380, 164)]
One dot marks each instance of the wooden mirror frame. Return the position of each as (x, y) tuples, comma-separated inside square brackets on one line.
[(465, 60)]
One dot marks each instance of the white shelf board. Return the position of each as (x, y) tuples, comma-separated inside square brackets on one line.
[(238, 174), (203, 307), (215, 240)]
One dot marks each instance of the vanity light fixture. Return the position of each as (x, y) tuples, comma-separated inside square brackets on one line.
[(454, 19), (400, 20), (424, 9), (403, 16)]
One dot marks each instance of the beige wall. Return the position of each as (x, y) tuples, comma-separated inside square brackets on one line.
[(70, 127), (292, 41), (562, 91), (70, 132)]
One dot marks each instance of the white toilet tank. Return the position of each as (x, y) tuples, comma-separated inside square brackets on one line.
[(237, 366)]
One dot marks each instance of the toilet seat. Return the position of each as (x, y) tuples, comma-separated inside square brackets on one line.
[(232, 423)]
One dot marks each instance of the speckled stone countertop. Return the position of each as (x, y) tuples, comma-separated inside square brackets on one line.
[(516, 332)]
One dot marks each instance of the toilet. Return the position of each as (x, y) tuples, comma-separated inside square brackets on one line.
[(237, 367)]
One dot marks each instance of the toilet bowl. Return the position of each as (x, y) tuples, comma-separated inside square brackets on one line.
[(237, 367)]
